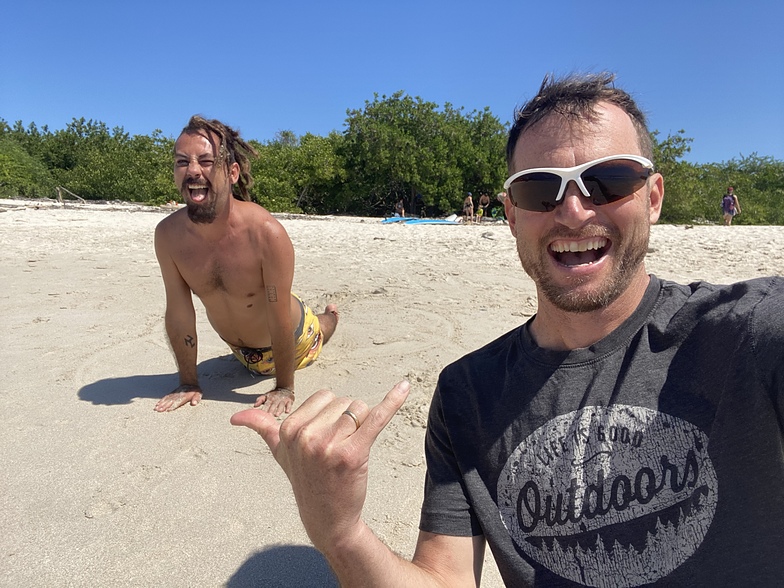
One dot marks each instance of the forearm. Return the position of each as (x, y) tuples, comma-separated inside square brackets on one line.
[(184, 344), (284, 365), (283, 344), (366, 562)]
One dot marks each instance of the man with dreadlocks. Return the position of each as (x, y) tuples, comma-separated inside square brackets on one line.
[(238, 259)]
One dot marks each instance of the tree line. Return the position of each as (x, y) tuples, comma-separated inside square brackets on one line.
[(395, 147)]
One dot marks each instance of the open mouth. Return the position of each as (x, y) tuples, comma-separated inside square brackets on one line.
[(583, 252), (197, 192)]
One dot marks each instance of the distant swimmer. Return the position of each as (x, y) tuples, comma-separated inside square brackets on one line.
[(238, 259)]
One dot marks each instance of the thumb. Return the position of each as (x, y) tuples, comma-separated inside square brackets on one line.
[(264, 423)]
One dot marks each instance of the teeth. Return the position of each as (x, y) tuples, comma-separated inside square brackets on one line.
[(196, 187), (578, 246)]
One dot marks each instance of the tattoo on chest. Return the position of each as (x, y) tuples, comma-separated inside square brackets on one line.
[(272, 294), (189, 341)]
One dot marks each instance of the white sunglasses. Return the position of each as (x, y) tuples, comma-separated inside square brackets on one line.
[(604, 180)]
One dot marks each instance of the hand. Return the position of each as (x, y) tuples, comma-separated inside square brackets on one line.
[(325, 457), (276, 401), (181, 395)]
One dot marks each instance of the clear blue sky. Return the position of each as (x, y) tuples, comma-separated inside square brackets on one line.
[(713, 68)]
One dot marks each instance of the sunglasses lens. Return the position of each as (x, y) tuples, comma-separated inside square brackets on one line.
[(536, 192), (613, 180)]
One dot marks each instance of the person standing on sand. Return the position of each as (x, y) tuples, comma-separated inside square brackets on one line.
[(730, 205), (484, 204), (468, 209), (629, 434), (237, 258)]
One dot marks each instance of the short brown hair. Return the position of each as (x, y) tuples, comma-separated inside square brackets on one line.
[(575, 96)]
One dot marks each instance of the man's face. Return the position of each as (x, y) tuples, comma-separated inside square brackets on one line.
[(201, 176), (581, 256)]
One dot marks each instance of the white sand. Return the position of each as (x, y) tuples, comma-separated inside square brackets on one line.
[(97, 489)]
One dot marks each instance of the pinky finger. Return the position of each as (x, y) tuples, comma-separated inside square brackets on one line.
[(380, 415)]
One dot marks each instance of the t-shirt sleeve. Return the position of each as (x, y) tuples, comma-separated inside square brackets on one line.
[(446, 509), (767, 331)]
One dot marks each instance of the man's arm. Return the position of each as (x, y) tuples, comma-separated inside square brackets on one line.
[(325, 457), (180, 328), (278, 274)]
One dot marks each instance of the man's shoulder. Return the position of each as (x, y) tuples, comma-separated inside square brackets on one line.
[(255, 215), (724, 304), (172, 223), (753, 287), (494, 353)]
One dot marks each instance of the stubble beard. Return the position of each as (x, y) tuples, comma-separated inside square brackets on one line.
[(629, 256)]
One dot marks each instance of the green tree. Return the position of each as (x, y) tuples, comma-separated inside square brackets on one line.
[(273, 185), (21, 174), (759, 184), (399, 146)]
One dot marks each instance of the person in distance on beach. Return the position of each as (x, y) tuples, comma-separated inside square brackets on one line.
[(238, 259), (468, 209), (730, 205), (630, 433)]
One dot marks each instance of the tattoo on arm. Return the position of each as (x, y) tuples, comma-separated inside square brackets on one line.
[(189, 341), (272, 294)]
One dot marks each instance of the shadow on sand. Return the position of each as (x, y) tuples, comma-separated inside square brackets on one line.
[(284, 566), (219, 377)]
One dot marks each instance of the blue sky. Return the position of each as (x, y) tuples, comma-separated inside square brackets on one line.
[(712, 68)]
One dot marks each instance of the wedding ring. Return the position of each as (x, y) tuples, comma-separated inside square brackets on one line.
[(353, 418)]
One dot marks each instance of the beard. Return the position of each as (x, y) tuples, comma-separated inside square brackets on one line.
[(203, 213), (629, 255)]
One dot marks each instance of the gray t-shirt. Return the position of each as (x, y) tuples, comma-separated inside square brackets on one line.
[(655, 456)]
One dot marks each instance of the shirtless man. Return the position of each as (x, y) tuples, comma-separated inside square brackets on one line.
[(237, 258)]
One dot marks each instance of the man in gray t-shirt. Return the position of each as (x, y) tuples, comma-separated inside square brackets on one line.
[(629, 434), (653, 456)]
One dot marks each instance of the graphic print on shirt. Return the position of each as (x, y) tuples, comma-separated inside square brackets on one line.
[(610, 496)]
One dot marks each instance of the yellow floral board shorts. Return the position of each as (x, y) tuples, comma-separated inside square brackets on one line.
[(307, 346)]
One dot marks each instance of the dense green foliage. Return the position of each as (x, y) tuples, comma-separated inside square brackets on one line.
[(88, 159), (693, 193), (395, 147)]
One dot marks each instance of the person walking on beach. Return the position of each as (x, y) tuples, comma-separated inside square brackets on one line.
[(730, 205), (630, 433), (237, 258)]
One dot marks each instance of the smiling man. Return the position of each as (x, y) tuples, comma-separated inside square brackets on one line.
[(237, 258), (629, 434)]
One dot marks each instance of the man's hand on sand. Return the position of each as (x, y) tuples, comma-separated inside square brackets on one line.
[(182, 395), (276, 401), (325, 456)]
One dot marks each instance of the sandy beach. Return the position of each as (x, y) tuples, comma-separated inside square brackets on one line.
[(97, 489)]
